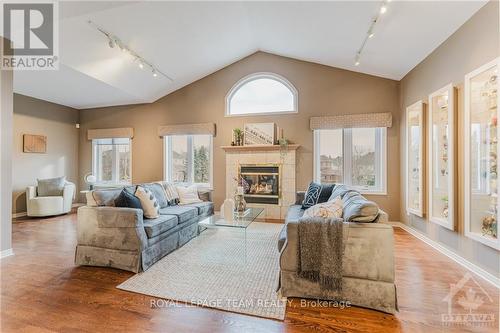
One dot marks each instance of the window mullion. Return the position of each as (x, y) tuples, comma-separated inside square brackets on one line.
[(347, 155), (190, 157)]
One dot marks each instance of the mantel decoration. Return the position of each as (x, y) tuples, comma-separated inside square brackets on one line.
[(283, 143), (260, 134), (237, 139)]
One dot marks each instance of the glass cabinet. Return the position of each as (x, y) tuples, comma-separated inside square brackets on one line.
[(414, 158), (481, 155), (441, 157)]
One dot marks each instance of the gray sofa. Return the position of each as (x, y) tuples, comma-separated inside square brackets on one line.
[(368, 260), (122, 238)]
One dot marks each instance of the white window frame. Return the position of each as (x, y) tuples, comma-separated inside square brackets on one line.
[(167, 161), (256, 76), (116, 169), (380, 161)]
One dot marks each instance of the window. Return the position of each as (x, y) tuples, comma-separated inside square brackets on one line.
[(188, 159), (112, 161), (352, 156), (261, 93)]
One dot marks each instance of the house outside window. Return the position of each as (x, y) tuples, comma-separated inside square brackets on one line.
[(352, 156), (262, 94), (112, 161), (188, 159)]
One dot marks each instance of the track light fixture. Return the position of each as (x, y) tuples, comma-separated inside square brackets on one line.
[(115, 41), (370, 33)]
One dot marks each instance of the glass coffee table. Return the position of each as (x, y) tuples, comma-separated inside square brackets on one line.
[(240, 220)]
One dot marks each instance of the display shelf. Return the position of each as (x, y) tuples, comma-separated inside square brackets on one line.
[(441, 157), (481, 155), (414, 158)]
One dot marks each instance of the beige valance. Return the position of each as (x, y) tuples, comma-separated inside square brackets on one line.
[(106, 133), (352, 121), (182, 129)]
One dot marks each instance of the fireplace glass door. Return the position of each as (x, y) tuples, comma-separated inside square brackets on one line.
[(261, 183)]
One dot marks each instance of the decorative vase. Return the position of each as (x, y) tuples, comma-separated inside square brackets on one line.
[(227, 210), (240, 203)]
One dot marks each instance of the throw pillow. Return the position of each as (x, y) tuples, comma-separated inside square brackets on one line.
[(317, 193), (149, 204), (51, 187), (127, 199), (341, 190), (171, 193), (329, 209), (159, 193), (103, 197), (188, 195)]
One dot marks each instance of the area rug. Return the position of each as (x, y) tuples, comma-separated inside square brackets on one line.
[(216, 271)]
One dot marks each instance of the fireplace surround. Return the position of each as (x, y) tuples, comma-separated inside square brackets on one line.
[(259, 156)]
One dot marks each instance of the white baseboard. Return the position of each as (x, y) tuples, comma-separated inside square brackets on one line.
[(6, 253), (21, 214), (450, 254)]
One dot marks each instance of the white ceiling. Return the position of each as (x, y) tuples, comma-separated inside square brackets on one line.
[(188, 41)]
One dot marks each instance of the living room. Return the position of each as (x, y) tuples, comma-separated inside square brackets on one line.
[(188, 164)]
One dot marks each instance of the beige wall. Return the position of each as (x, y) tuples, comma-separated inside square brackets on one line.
[(57, 122), (6, 93), (474, 44), (322, 90)]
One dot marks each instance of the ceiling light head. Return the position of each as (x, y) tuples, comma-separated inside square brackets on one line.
[(141, 65), (371, 34), (383, 9), (356, 63), (155, 74)]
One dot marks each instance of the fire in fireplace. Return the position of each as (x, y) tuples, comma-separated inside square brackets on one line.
[(263, 183)]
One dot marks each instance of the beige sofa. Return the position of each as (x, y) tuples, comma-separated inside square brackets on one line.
[(368, 263)]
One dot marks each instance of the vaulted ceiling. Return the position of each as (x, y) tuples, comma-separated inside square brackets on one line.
[(188, 40)]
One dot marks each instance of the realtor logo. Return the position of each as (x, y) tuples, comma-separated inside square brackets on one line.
[(30, 36), (469, 296)]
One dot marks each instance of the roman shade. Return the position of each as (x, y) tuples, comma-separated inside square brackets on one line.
[(110, 133), (187, 129), (365, 120)]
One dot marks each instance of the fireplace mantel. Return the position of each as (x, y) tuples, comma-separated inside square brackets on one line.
[(259, 147)]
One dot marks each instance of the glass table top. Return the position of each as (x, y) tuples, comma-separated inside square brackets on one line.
[(240, 220)]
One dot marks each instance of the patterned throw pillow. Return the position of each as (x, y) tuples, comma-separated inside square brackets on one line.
[(316, 193), (149, 204), (329, 209), (171, 193), (188, 195)]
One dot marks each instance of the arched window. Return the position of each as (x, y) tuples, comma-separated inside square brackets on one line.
[(261, 93)]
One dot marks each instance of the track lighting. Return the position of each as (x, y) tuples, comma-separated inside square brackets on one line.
[(370, 33), (115, 41)]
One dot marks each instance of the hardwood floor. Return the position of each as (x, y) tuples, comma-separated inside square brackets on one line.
[(42, 291)]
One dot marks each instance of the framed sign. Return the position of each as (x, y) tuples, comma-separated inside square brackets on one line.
[(259, 134), (34, 143)]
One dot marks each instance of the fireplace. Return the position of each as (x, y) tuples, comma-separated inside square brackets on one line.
[(262, 183)]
